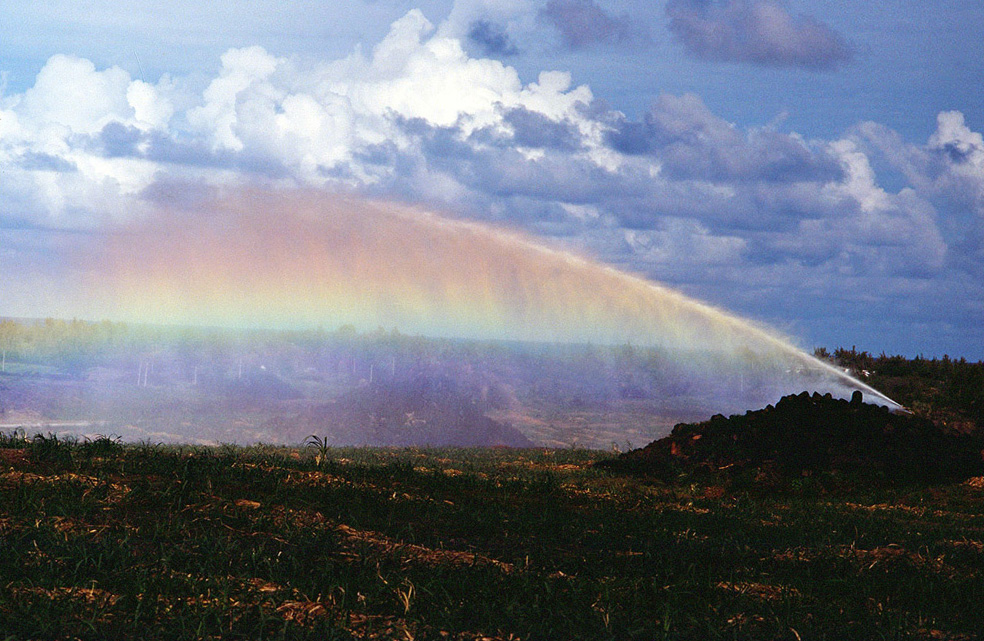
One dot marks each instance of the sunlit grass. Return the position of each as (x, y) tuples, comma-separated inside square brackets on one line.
[(102, 540)]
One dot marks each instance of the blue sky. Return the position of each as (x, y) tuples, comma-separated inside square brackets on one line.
[(818, 167)]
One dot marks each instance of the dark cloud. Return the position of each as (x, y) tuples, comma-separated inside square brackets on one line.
[(377, 155), (752, 216), (533, 129), (760, 32), (491, 39), (693, 143), (505, 172), (721, 194), (117, 140), (751, 182), (530, 130), (582, 23), (40, 161), (487, 166), (688, 188)]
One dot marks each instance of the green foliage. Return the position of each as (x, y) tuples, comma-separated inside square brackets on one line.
[(100, 446), (944, 388), (52, 450), (321, 447), (17, 439)]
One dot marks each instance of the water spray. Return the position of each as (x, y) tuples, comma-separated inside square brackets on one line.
[(304, 259)]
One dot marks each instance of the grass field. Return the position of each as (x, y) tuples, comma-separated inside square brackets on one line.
[(103, 541)]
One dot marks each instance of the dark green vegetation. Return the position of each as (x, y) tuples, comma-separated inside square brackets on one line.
[(947, 390), (100, 540)]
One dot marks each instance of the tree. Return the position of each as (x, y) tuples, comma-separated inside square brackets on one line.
[(10, 332)]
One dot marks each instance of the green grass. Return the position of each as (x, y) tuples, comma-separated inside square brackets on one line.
[(101, 540)]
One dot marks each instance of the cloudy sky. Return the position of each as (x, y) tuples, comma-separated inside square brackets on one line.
[(815, 166)]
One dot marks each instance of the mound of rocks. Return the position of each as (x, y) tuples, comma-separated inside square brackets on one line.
[(803, 434)]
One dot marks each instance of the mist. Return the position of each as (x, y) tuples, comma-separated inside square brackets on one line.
[(301, 261)]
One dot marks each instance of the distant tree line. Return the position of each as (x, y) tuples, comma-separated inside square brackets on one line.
[(947, 389), (950, 389), (73, 346)]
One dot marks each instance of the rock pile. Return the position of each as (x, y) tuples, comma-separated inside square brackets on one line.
[(803, 434)]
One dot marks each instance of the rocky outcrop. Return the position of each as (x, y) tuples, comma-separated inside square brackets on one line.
[(803, 434)]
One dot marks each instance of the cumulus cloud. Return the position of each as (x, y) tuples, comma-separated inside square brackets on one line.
[(958, 153), (948, 170), (582, 23), (760, 32), (218, 117), (901, 225), (691, 142), (69, 92), (54, 171), (265, 116)]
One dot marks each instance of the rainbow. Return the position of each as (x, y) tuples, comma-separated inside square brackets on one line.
[(304, 259)]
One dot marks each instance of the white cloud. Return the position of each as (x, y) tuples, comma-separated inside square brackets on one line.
[(70, 93), (953, 133), (262, 112), (948, 171), (152, 109), (961, 153), (685, 242), (314, 119), (860, 183), (218, 118), (52, 175)]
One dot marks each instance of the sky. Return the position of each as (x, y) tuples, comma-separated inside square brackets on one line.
[(816, 167)]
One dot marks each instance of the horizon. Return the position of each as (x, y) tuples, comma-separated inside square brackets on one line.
[(386, 333)]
